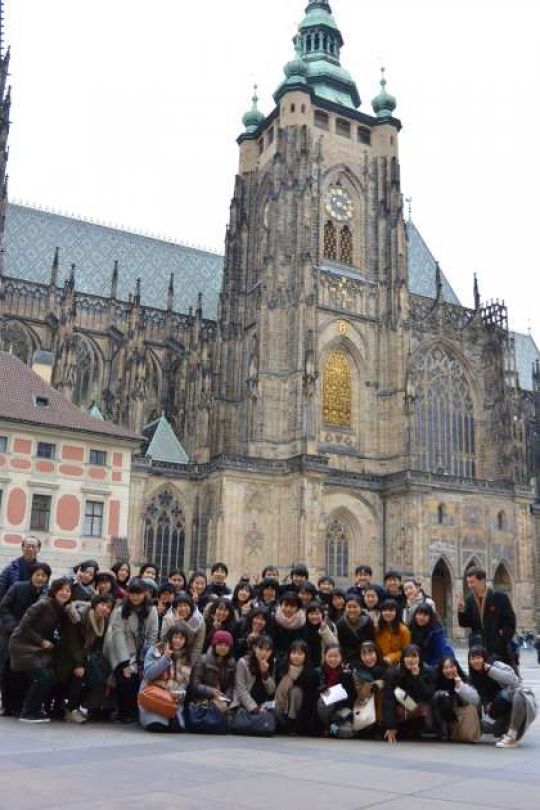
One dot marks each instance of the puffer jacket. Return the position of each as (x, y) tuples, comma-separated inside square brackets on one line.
[(123, 642), (38, 624), (208, 674)]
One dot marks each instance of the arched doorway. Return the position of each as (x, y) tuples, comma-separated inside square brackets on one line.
[(164, 533), (502, 581), (441, 591)]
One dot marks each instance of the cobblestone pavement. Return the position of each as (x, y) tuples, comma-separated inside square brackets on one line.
[(108, 767)]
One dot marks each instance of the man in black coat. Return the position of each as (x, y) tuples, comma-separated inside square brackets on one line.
[(490, 617)]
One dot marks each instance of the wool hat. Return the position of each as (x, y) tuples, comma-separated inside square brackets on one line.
[(222, 637)]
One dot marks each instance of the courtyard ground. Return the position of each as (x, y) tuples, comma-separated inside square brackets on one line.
[(109, 767)]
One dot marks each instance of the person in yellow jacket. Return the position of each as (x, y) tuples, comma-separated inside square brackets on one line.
[(391, 636)]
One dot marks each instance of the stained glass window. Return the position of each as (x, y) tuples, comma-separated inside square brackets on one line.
[(337, 550), (164, 532), (330, 242), (337, 391), (444, 428), (345, 246)]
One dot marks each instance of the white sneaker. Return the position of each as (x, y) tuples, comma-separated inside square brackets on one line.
[(508, 741), (75, 716)]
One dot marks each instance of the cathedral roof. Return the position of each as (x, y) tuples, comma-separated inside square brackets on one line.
[(31, 236), (162, 443), (422, 269)]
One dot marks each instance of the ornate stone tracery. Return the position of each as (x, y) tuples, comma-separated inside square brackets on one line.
[(164, 532), (444, 440), (337, 550)]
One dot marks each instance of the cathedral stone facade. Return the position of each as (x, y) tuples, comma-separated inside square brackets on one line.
[(335, 403)]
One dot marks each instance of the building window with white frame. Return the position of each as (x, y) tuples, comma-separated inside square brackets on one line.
[(93, 519)]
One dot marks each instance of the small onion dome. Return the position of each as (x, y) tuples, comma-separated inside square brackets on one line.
[(384, 104), (296, 69), (254, 117)]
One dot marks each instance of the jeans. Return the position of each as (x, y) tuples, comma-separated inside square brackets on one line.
[(41, 682)]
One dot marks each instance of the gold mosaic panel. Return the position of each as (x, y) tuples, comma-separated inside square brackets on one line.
[(337, 391)]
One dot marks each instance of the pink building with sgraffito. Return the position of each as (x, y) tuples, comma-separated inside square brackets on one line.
[(65, 474)]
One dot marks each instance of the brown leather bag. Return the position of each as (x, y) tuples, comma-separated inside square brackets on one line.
[(157, 700), (466, 729)]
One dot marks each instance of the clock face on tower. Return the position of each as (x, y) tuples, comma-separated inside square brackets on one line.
[(338, 204)]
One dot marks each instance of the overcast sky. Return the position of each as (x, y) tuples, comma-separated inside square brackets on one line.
[(127, 111)]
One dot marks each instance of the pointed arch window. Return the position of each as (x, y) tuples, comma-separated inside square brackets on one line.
[(86, 386), (164, 532), (337, 550), (346, 245), (330, 241), (445, 440), (15, 340), (337, 391)]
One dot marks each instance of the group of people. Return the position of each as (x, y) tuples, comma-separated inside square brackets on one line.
[(294, 657)]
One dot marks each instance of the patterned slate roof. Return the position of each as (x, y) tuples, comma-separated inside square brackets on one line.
[(527, 353), (31, 236), (422, 268), (163, 444)]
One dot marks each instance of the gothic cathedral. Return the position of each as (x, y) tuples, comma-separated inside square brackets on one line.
[(339, 405)]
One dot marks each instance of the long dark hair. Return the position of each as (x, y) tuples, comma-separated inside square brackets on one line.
[(143, 610), (442, 681), (230, 622), (395, 623), (253, 663), (409, 650), (116, 568), (242, 585)]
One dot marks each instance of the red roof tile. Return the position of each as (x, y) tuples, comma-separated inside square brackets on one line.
[(19, 387)]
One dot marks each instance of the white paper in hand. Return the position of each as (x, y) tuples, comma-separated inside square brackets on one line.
[(334, 695)]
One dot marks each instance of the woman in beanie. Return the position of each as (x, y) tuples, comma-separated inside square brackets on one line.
[(212, 677), (132, 629), (184, 610), (82, 634), (167, 666)]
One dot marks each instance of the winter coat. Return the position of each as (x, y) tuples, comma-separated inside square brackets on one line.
[(352, 637), (14, 605), (209, 674), (390, 644), (82, 593), (495, 629), (36, 626), (17, 571), (409, 609), (196, 624), (420, 688), (80, 633), (123, 644), (359, 591), (287, 631), (497, 688), (245, 681), (318, 638), (433, 644), (160, 668)]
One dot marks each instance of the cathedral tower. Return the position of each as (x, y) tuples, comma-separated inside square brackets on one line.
[(314, 286), (5, 103)]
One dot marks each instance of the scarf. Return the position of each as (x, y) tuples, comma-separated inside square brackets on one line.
[(285, 685), (293, 622)]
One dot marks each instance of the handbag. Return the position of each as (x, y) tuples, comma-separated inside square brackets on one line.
[(205, 718), (156, 700), (365, 715), (466, 729), (253, 725)]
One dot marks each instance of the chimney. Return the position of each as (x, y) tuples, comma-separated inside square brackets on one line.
[(42, 365)]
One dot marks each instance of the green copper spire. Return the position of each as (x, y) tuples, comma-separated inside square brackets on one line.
[(254, 117), (384, 104), (317, 63)]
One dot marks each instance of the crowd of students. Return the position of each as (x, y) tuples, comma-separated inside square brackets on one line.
[(293, 657)]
